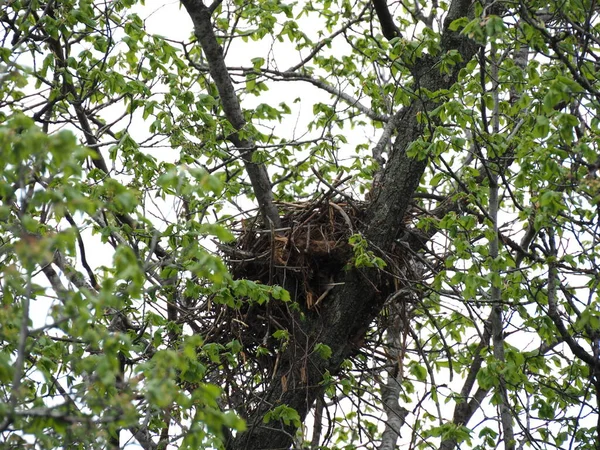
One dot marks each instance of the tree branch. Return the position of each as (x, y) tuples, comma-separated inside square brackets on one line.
[(388, 26), (259, 177), (289, 75), (497, 315), (390, 390)]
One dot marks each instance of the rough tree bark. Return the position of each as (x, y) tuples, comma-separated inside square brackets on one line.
[(355, 301)]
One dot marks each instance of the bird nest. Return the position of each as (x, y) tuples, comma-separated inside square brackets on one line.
[(307, 255), (304, 255)]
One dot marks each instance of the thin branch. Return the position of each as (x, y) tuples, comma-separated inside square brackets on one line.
[(327, 40), (277, 75), (391, 389), (21, 356)]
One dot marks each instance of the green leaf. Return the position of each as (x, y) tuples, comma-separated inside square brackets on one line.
[(542, 127), (324, 351), (283, 413)]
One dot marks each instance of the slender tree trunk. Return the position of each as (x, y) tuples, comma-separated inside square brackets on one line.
[(496, 293), (390, 390), (318, 425)]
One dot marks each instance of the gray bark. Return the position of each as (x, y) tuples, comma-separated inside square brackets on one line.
[(391, 389)]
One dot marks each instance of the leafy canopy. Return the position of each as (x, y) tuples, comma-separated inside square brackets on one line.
[(319, 224)]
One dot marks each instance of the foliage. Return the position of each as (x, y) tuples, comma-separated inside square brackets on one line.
[(363, 257), (138, 156)]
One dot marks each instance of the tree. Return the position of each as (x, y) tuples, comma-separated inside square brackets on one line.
[(187, 261)]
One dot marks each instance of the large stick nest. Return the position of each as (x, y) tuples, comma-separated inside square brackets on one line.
[(307, 256), (310, 248)]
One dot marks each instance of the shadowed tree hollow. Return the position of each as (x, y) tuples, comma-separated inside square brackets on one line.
[(305, 225)]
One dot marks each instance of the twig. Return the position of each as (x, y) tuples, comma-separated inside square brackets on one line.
[(344, 215), (333, 188)]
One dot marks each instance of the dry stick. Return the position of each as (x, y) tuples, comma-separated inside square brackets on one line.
[(339, 209), (334, 188)]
